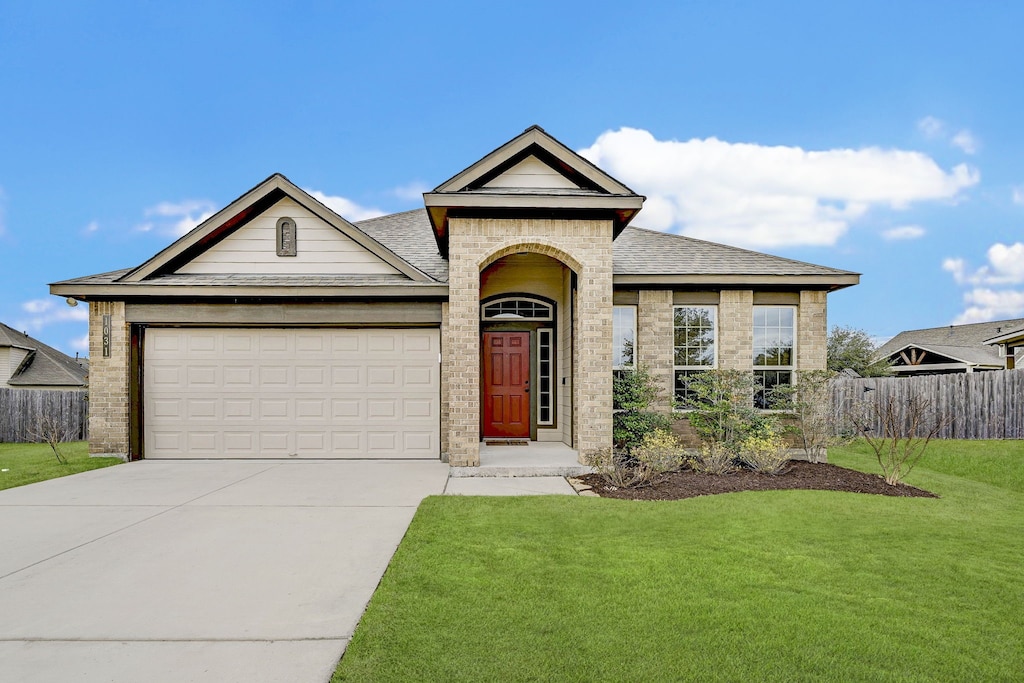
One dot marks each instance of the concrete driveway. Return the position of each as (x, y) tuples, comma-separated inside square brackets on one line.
[(198, 571)]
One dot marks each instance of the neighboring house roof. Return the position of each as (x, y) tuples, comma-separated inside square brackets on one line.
[(1012, 337), (968, 344), (44, 365)]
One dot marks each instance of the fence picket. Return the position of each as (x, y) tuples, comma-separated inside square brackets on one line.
[(20, 410), (982, 405)]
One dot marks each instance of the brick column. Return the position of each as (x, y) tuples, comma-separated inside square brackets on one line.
[(655, 344), (592, 384), (108, 381), (812, 330), (736, 329), (461, 348)]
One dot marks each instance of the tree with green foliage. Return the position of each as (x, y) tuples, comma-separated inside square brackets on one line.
[(851, 348), (634, 392)]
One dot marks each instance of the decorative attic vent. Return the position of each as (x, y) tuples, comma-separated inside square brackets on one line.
[(517, 309), (286, 237)]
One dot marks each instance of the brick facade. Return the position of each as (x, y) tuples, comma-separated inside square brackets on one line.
[(736, 330), (812, 331), (585, 246), (108, 381), (655, 333)]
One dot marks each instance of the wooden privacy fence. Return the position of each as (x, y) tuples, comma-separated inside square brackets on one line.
[(21, 409), (981, 405)]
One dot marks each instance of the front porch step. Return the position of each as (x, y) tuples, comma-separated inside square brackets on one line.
[(520, 471)]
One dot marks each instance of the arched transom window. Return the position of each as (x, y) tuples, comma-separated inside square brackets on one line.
[(517, 308)]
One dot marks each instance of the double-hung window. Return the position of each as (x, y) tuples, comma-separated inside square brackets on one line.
[(695, 331), (774, 351)]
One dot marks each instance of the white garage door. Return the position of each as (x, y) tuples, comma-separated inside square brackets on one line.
[(272, 393)]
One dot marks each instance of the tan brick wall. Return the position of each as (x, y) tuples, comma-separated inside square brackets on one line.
[(108, 380), (736, 329), (444, 382), (655, 345), (812, 330), (583, 245)]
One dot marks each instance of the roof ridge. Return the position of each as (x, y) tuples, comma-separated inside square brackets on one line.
[(1012, 321)]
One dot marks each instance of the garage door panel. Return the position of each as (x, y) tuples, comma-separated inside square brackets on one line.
[(287, 393)]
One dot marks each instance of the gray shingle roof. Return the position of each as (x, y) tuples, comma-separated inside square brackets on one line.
[(963, 342), (410, 237), (639, 251), (44, 365)]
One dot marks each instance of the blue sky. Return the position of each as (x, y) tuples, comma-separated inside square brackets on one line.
[(878, 137)]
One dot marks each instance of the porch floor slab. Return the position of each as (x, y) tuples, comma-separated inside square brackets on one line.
[(533, 460)]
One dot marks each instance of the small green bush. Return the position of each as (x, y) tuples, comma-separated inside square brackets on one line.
[(765, 453), (634, 392), (659, 452)]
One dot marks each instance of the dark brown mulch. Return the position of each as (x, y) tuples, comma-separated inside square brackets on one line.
[(798, 475)]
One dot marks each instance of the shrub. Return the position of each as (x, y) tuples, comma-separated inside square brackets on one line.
[(616, 468), (659, 452), (723, 410), (884, 423), (633, 394), (714, 458), (764, 453)]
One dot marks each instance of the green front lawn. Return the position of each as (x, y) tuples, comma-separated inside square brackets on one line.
[(27, 463), (780, 585)]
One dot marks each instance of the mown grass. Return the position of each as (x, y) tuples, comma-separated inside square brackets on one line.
[(779, 585), (27, 463)]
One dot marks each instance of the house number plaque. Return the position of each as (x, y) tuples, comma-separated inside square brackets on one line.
[(106, 335), (286, 237)]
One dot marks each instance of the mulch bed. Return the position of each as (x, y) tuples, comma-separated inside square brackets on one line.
[(798, 475)]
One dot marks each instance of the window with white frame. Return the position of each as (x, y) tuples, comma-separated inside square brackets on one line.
[(623, 337), (695, 329), (774, 351)]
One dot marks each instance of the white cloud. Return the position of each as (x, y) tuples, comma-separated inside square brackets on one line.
[(753, 195), (965, 141), (985, 304), (411, 192), (43, 312), (91, 228), (1018, 195), (1005, 267), (931, 127), (346, 208), (904, 232), (80, 343), (177, 218), (936, 129)]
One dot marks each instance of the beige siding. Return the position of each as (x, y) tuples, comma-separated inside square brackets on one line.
[(532, 172), (320, 248)]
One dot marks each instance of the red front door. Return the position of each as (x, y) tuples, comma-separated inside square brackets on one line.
[(507, 384)]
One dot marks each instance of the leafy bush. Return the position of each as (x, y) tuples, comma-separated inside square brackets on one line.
[(723, 410), (658, 452), (634, 392), (765, 453)]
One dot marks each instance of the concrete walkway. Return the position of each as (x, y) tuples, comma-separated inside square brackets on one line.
[(198, 570)]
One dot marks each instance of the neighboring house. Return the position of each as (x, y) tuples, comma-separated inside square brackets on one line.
[(278, 328), (1009, 345), (954, 348), (27, 363)]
